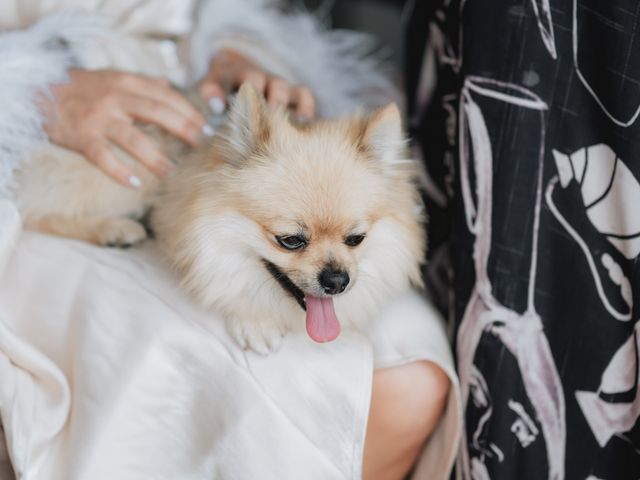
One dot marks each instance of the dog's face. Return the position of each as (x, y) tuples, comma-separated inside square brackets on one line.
[(302, 216), (312, 215), (326, 203)]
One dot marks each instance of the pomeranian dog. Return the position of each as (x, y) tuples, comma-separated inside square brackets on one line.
[(271, 224)]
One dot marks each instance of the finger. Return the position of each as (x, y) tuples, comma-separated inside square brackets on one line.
[(98, 152), (278, 92), (257, 78), (304, 103), (161, 91), (214, 94), (140, 147), (226, 73), (163, 82), (135, 81), (158, 113)]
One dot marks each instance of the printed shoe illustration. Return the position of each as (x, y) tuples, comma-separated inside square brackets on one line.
[(606, 188), (614, 409), (542, 9), (512, 318)]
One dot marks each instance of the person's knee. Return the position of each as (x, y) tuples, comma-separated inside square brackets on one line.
[(414, 396), (406, 404)]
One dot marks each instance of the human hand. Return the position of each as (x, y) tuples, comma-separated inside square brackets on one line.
[(229, 69), (98, 108)]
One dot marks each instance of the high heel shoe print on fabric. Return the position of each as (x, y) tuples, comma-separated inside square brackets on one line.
[(501, 306)]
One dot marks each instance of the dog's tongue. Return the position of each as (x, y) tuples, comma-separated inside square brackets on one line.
[(322, 323)]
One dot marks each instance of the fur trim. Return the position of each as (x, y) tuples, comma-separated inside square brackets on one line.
[(338, 65), (30, 61)]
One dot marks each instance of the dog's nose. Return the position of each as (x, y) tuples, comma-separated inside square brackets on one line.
[(333, 281)]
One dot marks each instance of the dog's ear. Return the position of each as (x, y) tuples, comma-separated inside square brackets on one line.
[(382, 138), (248, 124)]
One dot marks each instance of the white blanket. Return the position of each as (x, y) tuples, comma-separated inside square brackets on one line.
[(107, 371)]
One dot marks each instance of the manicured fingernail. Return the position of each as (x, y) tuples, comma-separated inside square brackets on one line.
[(216, 105), (208, 131), (135, 181)]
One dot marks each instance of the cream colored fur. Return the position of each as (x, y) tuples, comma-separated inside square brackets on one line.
[(216, 220)]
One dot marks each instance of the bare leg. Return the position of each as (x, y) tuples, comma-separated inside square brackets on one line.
[(406, 404)]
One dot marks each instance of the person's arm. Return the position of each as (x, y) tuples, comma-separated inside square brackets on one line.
[(292, 46)]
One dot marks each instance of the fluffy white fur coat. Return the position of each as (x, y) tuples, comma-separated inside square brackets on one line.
[(30, 60)]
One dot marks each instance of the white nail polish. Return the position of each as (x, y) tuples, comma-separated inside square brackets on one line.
[(135, 181), (208, 131), (216, 105)]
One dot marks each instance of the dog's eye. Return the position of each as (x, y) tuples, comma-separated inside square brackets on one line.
[(292, 242), (354, 240)]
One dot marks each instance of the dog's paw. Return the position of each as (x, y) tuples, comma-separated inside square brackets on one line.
[(120, 232), (262, 338)]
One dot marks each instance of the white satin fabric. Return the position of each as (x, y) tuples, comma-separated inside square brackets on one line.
[(109, 371)]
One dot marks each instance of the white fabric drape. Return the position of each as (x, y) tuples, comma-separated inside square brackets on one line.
[(109, 371)]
